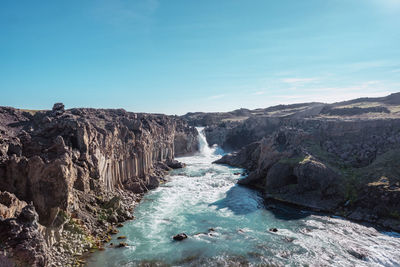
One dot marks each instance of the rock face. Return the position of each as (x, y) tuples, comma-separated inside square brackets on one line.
[(10, 205), (69, 162), (348, 165), (185, 139), (21, 240), (296, 165), (234, 135), (233, 130)]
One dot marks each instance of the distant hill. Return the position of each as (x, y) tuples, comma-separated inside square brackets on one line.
[(379, 107)]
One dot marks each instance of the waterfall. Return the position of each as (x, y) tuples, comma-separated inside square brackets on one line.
[(204, 149)]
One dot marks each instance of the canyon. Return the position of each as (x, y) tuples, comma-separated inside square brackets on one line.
[(70, 178)]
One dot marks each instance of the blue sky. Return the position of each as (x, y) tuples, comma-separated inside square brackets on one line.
[(175, 56)]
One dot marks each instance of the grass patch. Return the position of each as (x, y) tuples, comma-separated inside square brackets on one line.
[(361, 105), (235, 119), (30, 111)]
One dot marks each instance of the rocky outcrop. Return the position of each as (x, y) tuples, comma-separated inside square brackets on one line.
[(21, 241), (10, 205), (330, 157), (331, 165), (232, 132), (232, 135), (353, 110), (69, 163), (185, 139)]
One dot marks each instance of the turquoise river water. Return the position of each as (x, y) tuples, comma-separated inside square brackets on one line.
[(228, 225)]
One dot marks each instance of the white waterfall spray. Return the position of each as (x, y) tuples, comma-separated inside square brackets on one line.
[(204, 149)]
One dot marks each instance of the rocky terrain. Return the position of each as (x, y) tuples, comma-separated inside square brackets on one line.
[(341, 158), (68, 178)]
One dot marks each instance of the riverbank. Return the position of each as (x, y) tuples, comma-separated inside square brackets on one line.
[(227, 225)]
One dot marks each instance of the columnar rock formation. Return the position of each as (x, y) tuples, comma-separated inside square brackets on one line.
[(69, 162)]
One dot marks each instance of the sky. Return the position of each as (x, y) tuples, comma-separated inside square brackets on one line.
[(178, 56)]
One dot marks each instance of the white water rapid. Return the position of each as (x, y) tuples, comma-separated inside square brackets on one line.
[(228, 225)]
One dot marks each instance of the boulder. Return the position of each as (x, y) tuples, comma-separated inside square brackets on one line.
[(114, 203), (122, 245), (174, 164), (58, 107), (112, 218), (180, 237), (28, 215)]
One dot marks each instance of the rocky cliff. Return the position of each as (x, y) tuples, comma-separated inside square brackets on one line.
[(233, 130), (341, 158), (82, 171)]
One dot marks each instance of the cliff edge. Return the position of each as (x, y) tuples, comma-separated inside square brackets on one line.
[(342, 158), (82, 171)]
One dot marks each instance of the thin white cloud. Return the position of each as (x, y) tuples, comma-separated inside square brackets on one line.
[(363, 87), (371, 88), (366, 65), (259, 93), (299, 80), (318, 92), (216, 96)]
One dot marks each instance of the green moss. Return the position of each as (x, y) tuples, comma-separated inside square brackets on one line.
[(102, 216), (352, 177), (324, 156), (292, 161), (395, 215), (90, 239), (351, 194), (63, 215), (74, 227), (352, 183)]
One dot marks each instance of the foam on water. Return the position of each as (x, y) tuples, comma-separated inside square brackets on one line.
[(205, 195)]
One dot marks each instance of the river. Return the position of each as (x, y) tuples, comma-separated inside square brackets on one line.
[(228, 225)]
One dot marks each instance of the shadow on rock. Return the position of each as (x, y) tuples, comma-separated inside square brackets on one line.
[(285, 211)]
